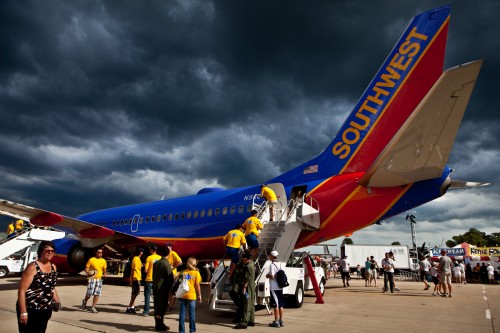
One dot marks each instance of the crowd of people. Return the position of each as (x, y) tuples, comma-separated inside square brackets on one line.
[(37, 295)]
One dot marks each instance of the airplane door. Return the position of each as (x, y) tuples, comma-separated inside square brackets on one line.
[(134, 226)]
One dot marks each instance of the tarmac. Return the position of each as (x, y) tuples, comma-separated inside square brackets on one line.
[(473, 308)]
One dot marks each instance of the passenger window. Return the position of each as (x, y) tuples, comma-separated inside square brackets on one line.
[(249, 208), (217, 211), (189, 215), (233, 210), (170, 216), (241, 208), (182, 215), (195, 214), (141, 220), (202, 213), (209, 212), (164, 217), (147, 219), (176, 217), (158, 218), (224, 211)]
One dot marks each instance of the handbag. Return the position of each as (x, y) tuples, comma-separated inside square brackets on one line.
[(56, 306), (183, 288)]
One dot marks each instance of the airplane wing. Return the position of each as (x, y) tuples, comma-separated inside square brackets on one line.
[(89, 234), (420, 149)]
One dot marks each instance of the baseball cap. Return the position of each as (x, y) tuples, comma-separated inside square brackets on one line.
[(274, 253)]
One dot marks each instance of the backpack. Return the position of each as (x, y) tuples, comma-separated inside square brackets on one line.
[(128, 269), (281, 278)]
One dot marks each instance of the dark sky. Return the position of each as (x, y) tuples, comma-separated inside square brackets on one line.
[(106, 103)]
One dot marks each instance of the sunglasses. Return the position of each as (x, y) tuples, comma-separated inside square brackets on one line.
[(49, 251)]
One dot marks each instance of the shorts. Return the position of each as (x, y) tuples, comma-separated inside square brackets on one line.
[(368, 274), (374, 273), (276, 300), (94, 287), (252, 241), (445, 278), (136, 288), (233, 253), (435, 279), (423, 275)]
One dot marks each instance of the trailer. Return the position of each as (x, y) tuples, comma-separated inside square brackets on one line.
[(357, 254)]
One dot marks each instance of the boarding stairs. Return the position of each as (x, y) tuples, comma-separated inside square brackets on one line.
[(280, 235), (19, 249)]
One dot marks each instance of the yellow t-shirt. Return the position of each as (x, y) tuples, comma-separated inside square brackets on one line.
[(193, 277), (252, 225), (136, 266), (268, 194), (10, 229), (99, 265), (148, 266), (19, 224), (234, 238), (174, 261)]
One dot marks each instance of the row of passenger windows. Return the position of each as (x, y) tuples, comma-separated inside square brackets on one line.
[(182, 215)]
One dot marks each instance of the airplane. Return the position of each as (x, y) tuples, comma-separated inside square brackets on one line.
[(389, 157)]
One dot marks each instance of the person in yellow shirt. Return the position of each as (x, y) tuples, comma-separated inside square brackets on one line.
[(174, 261), (94, 286), (188, 300), (148, 282), (10, 229), (135, 278), (19, 224), (252, 226), (233, 240), (271, 198)]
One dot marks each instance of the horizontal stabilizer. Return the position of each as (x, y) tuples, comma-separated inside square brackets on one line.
[(420, 149)]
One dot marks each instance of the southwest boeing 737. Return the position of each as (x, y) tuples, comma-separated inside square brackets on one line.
[(389, 156)]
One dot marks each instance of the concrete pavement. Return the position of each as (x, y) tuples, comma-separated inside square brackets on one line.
[(473, 308)]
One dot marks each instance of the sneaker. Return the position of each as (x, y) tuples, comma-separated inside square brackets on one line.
[(93, 310), (130, 310), (281, 323), (396, 288), (144, 314), (434, 294), (450, 295), (251, 323), (274, 324), (84, 305), (348, 284), (444, 295)]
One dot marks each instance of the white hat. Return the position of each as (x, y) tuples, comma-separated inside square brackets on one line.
[(91, 273), (274, 253)]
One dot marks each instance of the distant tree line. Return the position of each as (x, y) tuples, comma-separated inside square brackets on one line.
[(477, 238)]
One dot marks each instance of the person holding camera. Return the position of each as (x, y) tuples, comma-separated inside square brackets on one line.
[(37, 295)]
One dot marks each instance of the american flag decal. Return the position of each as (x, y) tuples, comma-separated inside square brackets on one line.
[(311, 169)]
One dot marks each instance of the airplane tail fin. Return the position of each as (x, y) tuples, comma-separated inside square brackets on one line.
[(408, 73)]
